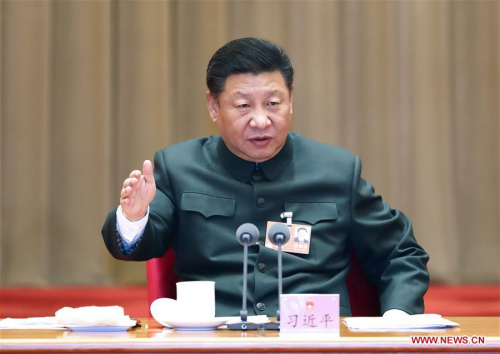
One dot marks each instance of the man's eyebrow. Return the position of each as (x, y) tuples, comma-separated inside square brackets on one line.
[(246, 94), (275, 91), (240, 93)]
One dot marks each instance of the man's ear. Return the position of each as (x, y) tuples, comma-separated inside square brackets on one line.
[(291, 103), (212, 105)]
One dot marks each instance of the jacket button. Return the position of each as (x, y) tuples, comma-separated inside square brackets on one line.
[(257, 177), (262, 268), (260, 306), (261, 202)]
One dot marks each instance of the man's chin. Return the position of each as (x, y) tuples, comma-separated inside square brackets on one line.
[(254, 153), (261, 157)]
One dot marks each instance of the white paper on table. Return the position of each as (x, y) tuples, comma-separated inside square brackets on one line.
[(252, 319), (94, 316), (68, 316), (31, 323), (425, 321)]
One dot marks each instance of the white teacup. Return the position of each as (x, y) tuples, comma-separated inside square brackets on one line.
[(164, 310), (196, 299)]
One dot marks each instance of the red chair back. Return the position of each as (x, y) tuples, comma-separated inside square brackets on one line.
[(160, 277), (362, 294)]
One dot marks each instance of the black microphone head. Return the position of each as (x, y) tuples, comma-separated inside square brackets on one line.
[(247, 234), (279, 233)]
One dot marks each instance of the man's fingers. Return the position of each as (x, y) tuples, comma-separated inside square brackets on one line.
[(130, 182), (124, 202), (136, 189), (147, 171), (125, 192), (135, 173)]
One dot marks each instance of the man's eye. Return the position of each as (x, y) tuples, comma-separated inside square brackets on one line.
[(243, 105), (274, 103)]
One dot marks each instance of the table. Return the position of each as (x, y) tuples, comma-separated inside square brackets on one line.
[(152, 338)]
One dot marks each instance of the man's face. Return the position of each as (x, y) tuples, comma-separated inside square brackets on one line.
[(253, 114)]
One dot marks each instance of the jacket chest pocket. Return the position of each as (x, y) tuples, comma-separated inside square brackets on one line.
[(313, 212), (208, 205)]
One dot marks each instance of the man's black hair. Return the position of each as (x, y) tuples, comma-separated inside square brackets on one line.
[(247, 55)]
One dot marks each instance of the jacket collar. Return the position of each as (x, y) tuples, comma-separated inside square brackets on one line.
[(243, 169)]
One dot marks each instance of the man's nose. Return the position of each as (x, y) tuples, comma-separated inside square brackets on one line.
[(260, 120)]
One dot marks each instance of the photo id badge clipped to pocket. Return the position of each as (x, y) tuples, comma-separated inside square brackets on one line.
[(300, 238)]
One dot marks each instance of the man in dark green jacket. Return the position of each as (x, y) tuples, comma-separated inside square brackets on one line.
[(203, 189)]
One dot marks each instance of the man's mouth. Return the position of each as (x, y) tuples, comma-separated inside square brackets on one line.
[(260, 140)]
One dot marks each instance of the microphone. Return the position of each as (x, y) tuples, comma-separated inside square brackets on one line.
[(279, 234), (247, 235)]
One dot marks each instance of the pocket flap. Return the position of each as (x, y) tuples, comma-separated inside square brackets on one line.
[(208, 205), (312, 212)]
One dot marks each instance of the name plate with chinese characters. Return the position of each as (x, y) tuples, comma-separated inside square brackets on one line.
[(309, 314)]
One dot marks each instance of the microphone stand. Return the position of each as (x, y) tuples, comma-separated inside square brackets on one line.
[(244, 325), (244, 312), (280, 280), (275, 325), (280, 236)]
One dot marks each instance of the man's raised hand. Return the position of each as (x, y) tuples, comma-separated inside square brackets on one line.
[(138, 191)]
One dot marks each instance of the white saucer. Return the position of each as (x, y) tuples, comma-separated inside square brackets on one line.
[(168, 313), (195, 325), (86, 328)]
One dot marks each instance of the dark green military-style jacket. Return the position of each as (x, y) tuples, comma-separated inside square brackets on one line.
[(204, 193)]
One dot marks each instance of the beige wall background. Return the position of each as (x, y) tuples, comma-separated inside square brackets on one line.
[(89, 89)]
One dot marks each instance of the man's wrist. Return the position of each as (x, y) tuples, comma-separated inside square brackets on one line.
[(143, 215), (129, 230)]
